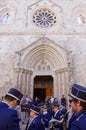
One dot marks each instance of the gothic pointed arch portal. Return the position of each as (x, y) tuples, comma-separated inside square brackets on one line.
[(44, 58)]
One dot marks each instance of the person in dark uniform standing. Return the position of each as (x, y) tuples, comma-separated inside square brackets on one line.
[(57, 115), (63, 100), (73, 117), (35, 122), (45, 117), (78, 104), (8, 116)]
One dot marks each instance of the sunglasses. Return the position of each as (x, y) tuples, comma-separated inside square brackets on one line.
[(71, 100), (18, 102)]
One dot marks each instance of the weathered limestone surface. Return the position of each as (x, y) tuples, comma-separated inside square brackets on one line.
[(20, 37)]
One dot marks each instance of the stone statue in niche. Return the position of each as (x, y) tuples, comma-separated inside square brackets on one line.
[(6, 18), (81, 19)]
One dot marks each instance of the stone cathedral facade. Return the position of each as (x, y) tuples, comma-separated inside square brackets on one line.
[(42, 46)]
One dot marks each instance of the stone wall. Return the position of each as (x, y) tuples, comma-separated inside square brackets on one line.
[(22, 32)]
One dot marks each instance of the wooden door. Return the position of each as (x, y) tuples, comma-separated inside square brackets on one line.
[(43, 85), (49, 91)]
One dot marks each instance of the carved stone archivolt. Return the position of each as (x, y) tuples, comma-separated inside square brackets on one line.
[(45, 50), (42, 58)]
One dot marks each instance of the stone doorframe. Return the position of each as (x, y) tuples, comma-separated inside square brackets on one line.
[(61, 81), (41, 73)]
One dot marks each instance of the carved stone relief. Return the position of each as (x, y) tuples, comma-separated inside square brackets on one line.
[(43, 65)]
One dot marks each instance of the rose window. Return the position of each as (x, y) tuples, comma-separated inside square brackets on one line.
[(44, 18)]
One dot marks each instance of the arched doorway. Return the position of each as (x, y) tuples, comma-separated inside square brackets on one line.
[(44, 58), (43, 87)]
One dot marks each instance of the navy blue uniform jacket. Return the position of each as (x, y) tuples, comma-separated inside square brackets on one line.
[(36, 124), (8, 118), (80, 122)]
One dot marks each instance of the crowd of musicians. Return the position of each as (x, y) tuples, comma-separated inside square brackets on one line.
[(17, 110), (42, 113)]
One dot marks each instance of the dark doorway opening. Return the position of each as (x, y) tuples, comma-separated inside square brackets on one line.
[(43, 87), (40, 93)]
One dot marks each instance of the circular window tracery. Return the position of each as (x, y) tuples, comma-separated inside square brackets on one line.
[(44, 18)]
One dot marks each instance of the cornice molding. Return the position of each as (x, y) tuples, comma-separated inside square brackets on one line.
[(42, 34)]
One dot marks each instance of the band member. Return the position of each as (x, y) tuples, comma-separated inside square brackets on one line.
[(8, 115), (78, 104), (57, 115), (35, 122), (63, 100), (45, 116)]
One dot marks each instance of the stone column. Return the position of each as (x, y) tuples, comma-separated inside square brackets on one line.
[(22, 81), (25, 83), (66, 81), (28, 86), (63, 85), (58, 85), (19, 79), (18, 76)]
